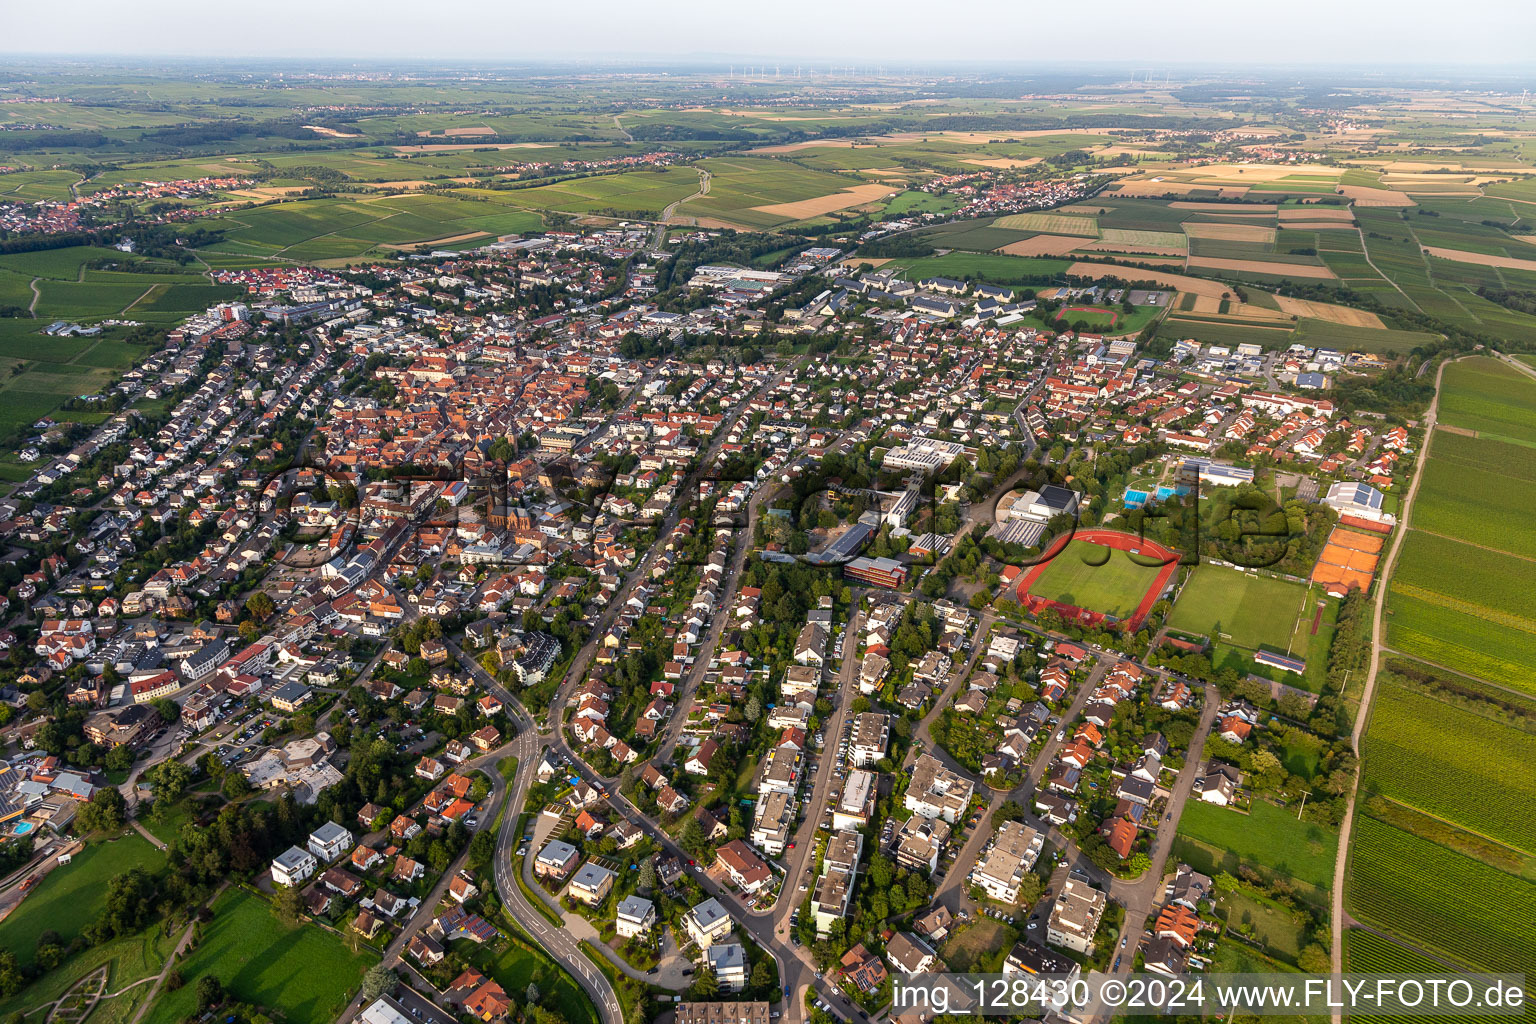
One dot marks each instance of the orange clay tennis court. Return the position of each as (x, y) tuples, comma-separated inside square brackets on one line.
[(1348, 561)]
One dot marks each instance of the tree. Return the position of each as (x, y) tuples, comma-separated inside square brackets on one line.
[(531, 994), (260, 605), (705, 985), (210, 992), (168, 710), (1314, 959), (119, 758), (168, 780), (286, 904), (235, 786), (754, 709), (692, 837), (379, 980), (648, 880), (105, 811), (482, 851), (12, 980)]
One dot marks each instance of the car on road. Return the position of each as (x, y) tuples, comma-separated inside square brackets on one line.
[(1117, 964)]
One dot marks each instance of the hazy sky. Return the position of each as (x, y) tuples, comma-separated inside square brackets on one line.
[(1487, 33)]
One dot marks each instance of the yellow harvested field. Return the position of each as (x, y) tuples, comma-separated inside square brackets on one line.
[(1157, 188), (437, 241), (982, 138), (451, 147), (1105, 245), (795, 147), (480, 130), (1263, 267), (330, 133), (1237, 174), (858, 195), (271, 191), (1178, 282), (1527, 239), (1314, 212), (1364, 195), (1230, 232), (1481, 259), (1043, 245), (1056, 224), (1226, 209), (873, 262), (1328, 311), (1321, 225), (417, 183), (1003, 161)]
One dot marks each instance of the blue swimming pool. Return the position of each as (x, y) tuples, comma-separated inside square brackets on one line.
[(22, 828), (1135, 499)]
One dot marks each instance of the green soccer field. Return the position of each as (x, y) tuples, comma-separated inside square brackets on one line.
[(1245, 610), (1097, 578)]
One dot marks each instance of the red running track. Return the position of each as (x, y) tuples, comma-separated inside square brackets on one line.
[(1115, 540)]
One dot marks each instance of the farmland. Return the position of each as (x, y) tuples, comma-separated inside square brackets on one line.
[(1365, 952), (1415, 753), (760, 193), (1269, 838), (1447, 903), (1491, 398), (346, 228), (305, 973), (1479, 490), (1479, 619)]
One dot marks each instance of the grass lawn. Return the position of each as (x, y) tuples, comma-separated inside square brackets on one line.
[(128, 960), (1249, 611), (302, 971), (1268, 837), (1083, 576), (70, 897), (167, 825), (1261, 919), (976, 946)]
